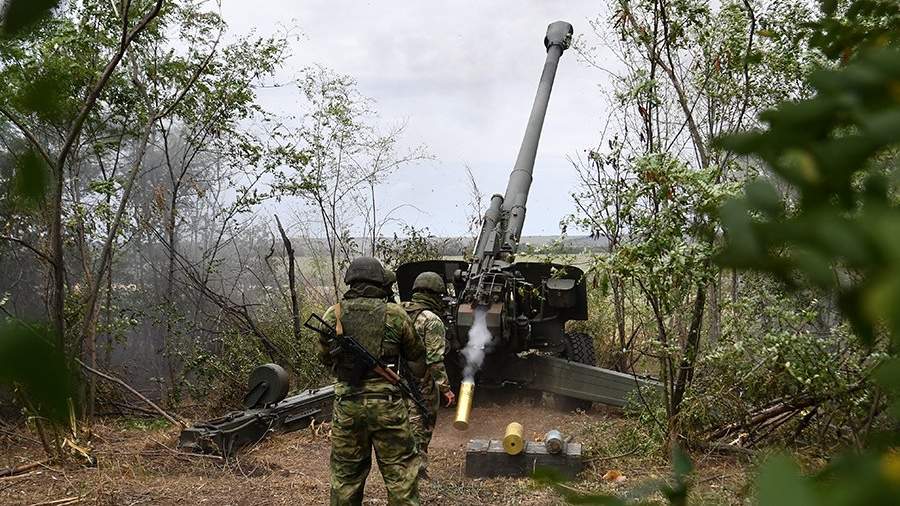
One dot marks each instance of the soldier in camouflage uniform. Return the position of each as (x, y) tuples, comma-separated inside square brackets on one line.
[(424, 310), (390, 277), (371, 413)]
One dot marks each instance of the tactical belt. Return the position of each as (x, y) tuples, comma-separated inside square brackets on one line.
[(369, 395)]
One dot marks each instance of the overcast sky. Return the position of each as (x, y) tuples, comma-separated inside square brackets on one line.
[(463, 75)]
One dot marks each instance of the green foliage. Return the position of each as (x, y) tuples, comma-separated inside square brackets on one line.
[(31, 362), (827, 222), (144, 424), (836, 152), (848, 27), (665, 208), (600, 324), (216, 370), (31, 176), (850, 480), (415, 245), (19, 15), (777, 346)]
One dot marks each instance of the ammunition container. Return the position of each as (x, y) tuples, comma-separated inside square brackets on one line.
[(464, 407)]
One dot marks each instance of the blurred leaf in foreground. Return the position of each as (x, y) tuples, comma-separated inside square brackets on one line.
[(31, 176), (29, 360), (19, 15)]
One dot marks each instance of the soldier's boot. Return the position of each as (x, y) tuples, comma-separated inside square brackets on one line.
[(423, 465)]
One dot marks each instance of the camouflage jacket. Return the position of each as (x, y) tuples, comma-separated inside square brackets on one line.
[(433, 335), (398, 339)]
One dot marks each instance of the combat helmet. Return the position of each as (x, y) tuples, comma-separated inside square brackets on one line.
[(390, 277), (431, 282), (365, 269)]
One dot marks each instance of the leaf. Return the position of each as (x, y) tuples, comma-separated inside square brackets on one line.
[(762, 196), (780, 484), (742, 247), (20, 15), (31, 176), (888, 376), (43, 95), (30, 360), (681, 463), (814, 265), (614, 476)]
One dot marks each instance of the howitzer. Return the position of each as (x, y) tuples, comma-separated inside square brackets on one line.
[(267, 411), (365, 362), (525, 305)]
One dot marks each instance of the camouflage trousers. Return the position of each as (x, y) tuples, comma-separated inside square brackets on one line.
[(422, 431), (363, 422)]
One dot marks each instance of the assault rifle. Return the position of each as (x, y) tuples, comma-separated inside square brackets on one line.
[(365, 361)]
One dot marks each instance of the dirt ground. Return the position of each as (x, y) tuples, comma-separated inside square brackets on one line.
[(138, 465)]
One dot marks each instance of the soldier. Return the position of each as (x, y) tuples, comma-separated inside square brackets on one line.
[(372, 413), (424, 310), (390, 277)]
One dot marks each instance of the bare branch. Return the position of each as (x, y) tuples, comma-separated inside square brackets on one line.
[(29, 247), (28, 134)]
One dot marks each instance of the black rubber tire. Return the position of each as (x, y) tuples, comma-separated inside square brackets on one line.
[(579, 348)]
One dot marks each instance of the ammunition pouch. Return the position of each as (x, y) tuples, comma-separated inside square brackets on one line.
[(354, 372)]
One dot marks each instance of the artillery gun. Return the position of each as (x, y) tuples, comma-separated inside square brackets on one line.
[(524, 305)]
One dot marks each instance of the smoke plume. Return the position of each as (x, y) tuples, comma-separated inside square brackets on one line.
[(479, 343)]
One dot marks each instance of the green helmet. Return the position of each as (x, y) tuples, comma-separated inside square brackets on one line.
[(366, 269), (430, 281), (390, 277)]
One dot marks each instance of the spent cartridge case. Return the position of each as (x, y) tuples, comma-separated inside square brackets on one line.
[(554, 442), (513, 440), (464, 407)]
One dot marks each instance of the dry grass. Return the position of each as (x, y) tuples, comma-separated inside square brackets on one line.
[(139, 466)]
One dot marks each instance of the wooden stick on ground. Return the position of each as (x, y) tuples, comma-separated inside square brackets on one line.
[(5, 479), (12, 471), (60, 502), (128, 387)]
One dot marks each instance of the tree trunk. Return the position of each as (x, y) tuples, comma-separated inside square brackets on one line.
[(691, 348), (715, 309), (292, 283), (58, 269), (169, 293), (621, 362)]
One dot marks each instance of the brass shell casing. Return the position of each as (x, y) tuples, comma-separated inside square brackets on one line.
[(464, 407), (513, 442)]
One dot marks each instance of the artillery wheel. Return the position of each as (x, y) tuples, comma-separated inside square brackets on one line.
[(579, 348), (267, 385)]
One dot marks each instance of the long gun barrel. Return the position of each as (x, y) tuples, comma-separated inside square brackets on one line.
[(503, 221), (559, 35)]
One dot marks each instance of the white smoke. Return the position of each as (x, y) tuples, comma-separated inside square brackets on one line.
[(479, 343)]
